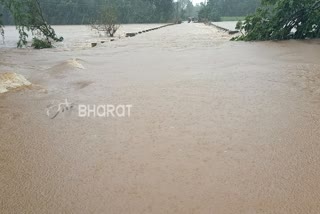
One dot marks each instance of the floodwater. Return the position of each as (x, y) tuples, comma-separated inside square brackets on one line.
[(231, 25), (75, 37), (216, 126)]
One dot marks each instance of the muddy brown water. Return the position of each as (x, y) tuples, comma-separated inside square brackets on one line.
[(216, 127)]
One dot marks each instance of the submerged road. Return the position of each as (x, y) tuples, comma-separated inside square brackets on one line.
[(215, 127)]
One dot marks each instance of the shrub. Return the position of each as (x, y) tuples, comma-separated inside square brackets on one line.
[(280, 20), (107, 22), (41, 43)]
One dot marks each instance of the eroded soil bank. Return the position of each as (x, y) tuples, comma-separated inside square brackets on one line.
[(216, 127)]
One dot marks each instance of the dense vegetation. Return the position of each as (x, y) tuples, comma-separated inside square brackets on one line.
[(185, 9), (129, 11), (282, 19), (215, 9), (28, 17)]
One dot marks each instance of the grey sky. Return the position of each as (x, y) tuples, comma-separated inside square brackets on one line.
[(197, 1)]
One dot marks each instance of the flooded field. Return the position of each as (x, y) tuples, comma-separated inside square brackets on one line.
[(215, 126)]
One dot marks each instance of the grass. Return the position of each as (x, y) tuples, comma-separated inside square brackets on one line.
[(232, 18)]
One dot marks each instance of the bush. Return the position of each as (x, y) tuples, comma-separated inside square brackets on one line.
[(107, 22), (41, 44), (281, 20)]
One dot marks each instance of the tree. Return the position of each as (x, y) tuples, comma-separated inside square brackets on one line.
[(209, 11), (215, 9), (107, 22), (283, 19), (28, 16), (164, 10), (185, 9), (69, 12)]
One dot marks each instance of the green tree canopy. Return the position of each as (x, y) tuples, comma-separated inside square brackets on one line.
[(214, 9), (283, 19), (186, 9), (67, 12)]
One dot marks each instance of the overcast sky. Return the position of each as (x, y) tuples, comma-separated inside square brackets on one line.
[(197, 1)]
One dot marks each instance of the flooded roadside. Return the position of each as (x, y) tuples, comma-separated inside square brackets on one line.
[(216, 126)]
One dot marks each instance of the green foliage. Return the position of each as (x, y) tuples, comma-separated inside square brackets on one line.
[(283, 19), (33, 16), (28, 17), (186, 9), (215, 9), (41, 43), (67, 12), (239, 25), (209, 12)]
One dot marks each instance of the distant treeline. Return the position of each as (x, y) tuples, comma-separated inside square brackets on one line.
[(215, 9), (66, 12), (128, 11)]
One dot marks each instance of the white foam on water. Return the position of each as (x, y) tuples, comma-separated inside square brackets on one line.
[(11, 81), (75, 64)]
